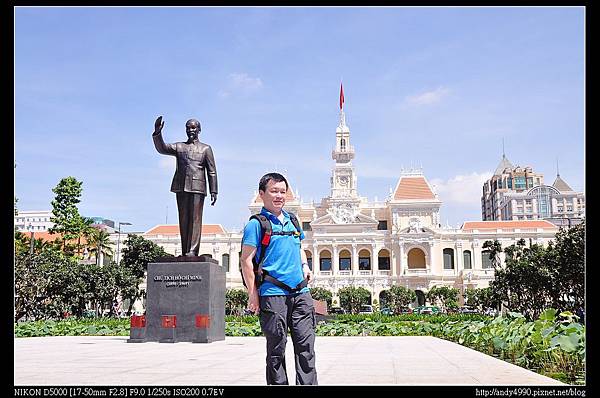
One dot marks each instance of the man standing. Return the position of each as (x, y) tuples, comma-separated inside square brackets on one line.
[(194, 159), (286, 303)]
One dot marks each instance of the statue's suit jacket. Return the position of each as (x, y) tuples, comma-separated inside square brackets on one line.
[(193, 161)]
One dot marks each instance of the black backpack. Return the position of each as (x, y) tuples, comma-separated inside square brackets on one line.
[(266, 231)]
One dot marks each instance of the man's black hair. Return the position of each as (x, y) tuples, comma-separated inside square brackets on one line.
[(262, 185)]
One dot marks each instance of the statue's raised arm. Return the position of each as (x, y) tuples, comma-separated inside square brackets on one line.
[(158, 125)]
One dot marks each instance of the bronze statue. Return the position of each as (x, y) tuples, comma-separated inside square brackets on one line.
[(194, 158)]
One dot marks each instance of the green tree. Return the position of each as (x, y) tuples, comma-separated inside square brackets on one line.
[(566, 265), (322, 294), (397, 297), (48, 284), (447, 296), (535, 278), (65, 214), (29, 286), (137, 253), (351, 298), (235, 301), (481, 298)]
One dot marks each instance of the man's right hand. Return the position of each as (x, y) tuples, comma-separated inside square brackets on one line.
[(158, 125), (253, 301)]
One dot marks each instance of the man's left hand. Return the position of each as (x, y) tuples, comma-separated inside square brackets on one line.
[(213, 197)]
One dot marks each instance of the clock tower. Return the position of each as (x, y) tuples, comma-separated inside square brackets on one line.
[(343, 179)]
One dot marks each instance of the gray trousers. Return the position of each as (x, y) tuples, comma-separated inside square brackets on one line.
[(297, 312)]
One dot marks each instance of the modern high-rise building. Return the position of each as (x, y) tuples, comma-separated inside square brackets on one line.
[(516, 193), (506, 179)]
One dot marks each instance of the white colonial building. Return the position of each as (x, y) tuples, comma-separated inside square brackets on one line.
[(33, 221), (353, 242)]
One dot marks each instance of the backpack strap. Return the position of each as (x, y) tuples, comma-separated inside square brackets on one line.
[(266, 231), (294, 220), (277, 282)]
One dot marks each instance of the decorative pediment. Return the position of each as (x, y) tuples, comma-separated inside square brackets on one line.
[(344, 219), (417, 230)]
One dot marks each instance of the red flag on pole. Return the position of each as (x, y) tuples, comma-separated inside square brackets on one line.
[(341, 96)]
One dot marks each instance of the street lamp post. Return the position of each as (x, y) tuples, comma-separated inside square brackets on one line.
[(119, 239), (31, 241)]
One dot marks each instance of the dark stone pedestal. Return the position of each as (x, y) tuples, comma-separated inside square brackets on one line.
[(185, 301)]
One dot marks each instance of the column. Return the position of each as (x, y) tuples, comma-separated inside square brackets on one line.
[(354, 260), (402, 265), (459, 259), (374, 260), (315, 259), (476, 259), (393, 257), (335, 266)]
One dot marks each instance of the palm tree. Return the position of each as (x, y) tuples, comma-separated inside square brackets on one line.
[(84, 229), (99, 243)]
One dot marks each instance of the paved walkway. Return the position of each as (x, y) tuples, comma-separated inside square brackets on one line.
[(240, 361)]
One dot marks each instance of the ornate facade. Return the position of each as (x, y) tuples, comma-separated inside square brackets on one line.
[(399, 241)]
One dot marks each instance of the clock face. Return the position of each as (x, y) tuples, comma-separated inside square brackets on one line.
[(343, 180)]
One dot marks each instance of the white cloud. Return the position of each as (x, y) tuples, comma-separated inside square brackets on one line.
[(461, 189), (243, 81), (240, 83), (428, 97)]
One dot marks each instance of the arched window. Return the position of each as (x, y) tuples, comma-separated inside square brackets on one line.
[(345, 260), (342, 144), (448, 258), (383, 260), (364, 260), (416, 258), (325, 261), (225, 262), (467, 259)]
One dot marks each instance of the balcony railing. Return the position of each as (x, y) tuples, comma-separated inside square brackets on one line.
[(384, 272), (325, 273), (416, 271), (345, 272)]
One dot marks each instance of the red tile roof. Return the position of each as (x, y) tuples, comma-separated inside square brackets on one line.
[(413, 187), (174, 229), (481, 225), (48, 237)]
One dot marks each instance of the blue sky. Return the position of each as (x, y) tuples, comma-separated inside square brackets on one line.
[(438, 88)]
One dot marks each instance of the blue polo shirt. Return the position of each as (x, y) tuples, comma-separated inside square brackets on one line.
[(282, 259)]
